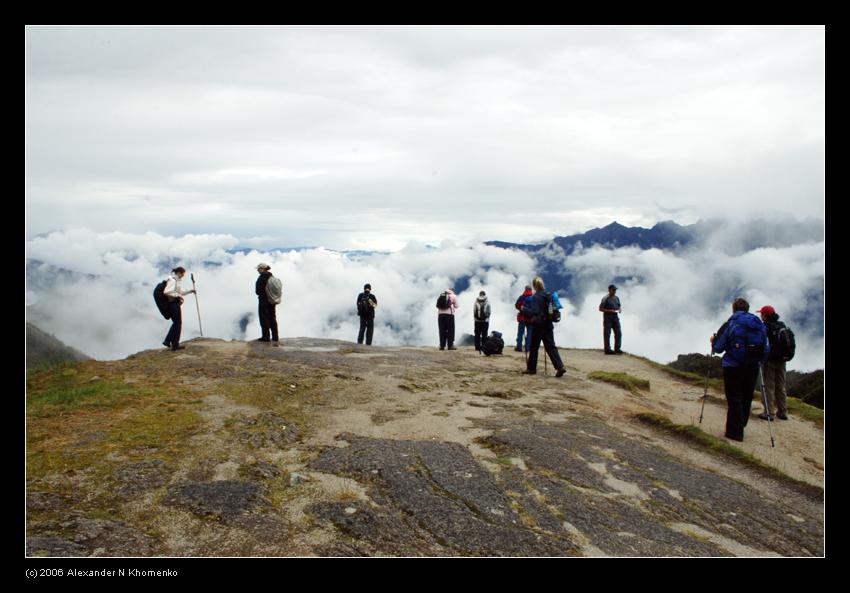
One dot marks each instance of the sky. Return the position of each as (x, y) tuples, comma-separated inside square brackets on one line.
[(369, 137), (146, 146)]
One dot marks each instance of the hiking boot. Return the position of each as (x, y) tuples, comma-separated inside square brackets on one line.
[(262, 340), (561, 372), (609, 352), (618, 351), (527, 372), (517, 349), (452, 348), (442, 347), (782, 416), (739, 439), (766, 416), (176, 348), (167, 344)]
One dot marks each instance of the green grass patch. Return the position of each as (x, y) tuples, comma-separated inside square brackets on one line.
[(703, 440), (624, 380), (74, 387), (715, 381), (798, 407)]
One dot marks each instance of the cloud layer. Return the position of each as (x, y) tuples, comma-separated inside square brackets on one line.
[(93, 291)]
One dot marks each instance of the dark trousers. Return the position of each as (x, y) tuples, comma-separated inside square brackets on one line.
[(481, 328), (268, 319), (446, 325), (367, 326), (173, 337), (543, 332), (739, 384), (612, 322)]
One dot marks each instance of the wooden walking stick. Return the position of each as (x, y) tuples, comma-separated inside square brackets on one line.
[(192, 276)]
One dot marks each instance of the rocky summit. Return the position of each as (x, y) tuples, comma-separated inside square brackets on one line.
[(326, 448)]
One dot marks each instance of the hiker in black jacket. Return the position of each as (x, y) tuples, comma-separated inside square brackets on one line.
[(366, 304), (268, 318), (542, 330), (610, 307), (774, 368)]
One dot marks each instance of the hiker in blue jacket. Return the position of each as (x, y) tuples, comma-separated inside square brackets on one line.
[(743, 338)]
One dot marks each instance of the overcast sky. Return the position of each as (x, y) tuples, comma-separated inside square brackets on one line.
[(368, 137)]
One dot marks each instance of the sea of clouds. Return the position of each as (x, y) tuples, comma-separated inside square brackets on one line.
[(93, 291)]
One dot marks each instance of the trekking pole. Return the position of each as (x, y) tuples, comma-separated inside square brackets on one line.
[(766, 408), (705, 394), (197, 306)]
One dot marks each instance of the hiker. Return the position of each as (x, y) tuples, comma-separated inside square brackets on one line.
[(743, 338), (610, 308), (482, 319), (446, 305), (773, 371), (268, 318), (366, 304), (542, 329), (523, 322), (175, 293)]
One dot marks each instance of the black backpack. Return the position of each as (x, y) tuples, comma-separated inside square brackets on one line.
[(784, 344), (493, 344), (161, 300), (363, 307), (443, 301)]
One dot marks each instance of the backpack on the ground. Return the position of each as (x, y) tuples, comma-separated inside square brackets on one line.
[(493, 344), (785, 344), (161, 300), (443, 301), (274, 290)]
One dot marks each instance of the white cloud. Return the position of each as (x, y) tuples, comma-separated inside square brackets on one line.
[(432, 124), (672, 303)]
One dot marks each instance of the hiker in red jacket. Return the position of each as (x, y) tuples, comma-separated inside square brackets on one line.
[(523, 321)]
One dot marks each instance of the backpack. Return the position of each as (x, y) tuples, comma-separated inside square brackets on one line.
[(552, 313), (746, 343), (549, 313), (161, 300), (785, 345), (363, 307), (274, 290), (480, 311), (443, 301), (493, 344)]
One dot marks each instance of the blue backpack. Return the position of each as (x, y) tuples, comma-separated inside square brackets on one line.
[(746, 342)]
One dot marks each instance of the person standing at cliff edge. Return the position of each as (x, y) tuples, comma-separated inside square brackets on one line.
[(610, 308), (366, 305), (446, 305), (175, 293)]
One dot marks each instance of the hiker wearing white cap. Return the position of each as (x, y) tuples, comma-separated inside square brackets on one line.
[(268, 319)]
